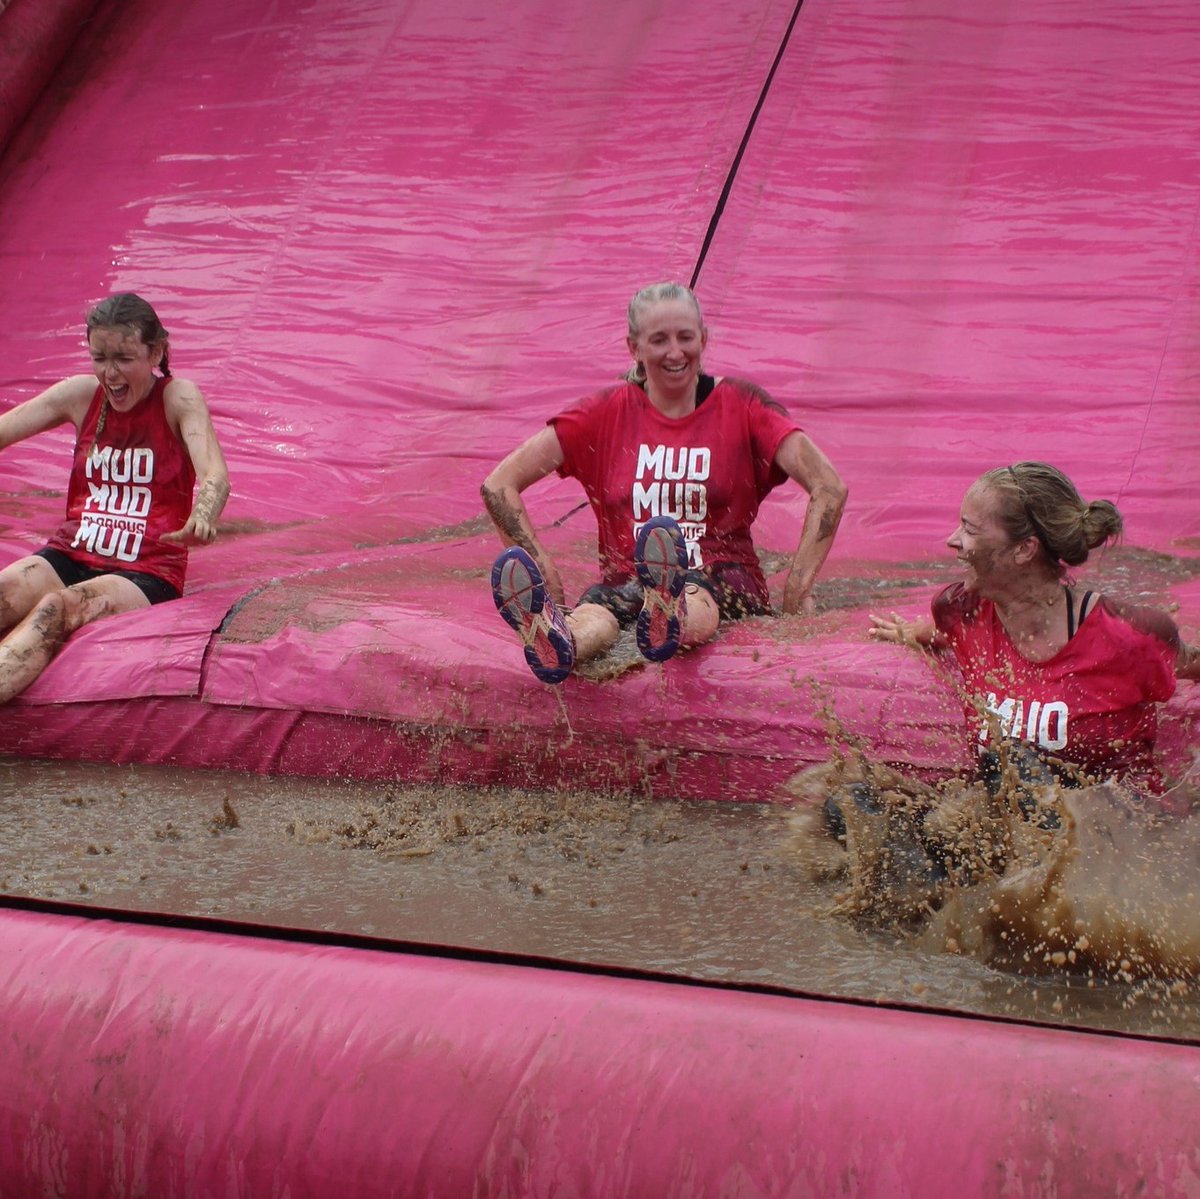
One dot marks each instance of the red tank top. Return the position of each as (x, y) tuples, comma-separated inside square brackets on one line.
[(1093, 704), (127, 490)]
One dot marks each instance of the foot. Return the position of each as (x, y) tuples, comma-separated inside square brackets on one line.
[(661, 559), (522, 599)]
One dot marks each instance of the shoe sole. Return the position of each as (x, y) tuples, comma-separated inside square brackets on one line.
[(661, 559), (521, 598)]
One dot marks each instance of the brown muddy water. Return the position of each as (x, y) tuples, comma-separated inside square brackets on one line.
[(705, 890)]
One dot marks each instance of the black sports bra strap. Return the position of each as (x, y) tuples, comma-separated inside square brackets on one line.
[(1085, 606)]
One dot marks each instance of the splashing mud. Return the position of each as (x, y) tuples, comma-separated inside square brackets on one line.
[(701, 889), (1025, 875)]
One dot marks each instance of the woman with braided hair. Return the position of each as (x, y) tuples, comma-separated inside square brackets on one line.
[(1073, 675), (143, 439)]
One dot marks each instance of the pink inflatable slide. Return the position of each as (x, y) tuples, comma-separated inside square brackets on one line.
[(388, 240)]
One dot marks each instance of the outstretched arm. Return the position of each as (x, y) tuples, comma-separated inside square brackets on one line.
[(536, 458), (65, 401), (826, 501), (188, 416)]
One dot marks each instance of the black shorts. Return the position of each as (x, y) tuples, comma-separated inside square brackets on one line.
[(70, 572), (732, 587)]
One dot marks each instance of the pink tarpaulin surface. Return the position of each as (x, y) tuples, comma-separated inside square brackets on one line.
[(190, 1063), (389, 240)]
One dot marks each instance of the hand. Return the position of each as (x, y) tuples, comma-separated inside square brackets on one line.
[(797, 602), (895, 629), (803, 605), (197, 531)]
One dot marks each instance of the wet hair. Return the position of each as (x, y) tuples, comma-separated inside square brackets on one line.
[(1038, 500), (654, 294), (128, 311), (124, 310)]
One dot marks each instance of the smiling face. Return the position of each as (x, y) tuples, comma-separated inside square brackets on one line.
[(123, 364), (669, 343), (981, 542)]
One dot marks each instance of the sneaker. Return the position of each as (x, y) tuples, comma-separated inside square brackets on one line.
[(522, 599), (865, 798), (661, 559)]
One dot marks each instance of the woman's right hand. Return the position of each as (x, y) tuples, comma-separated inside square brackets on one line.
[(895, 629)]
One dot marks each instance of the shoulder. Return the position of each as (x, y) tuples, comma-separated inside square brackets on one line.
[(181, 392), (78, 385), (67, 400), (751, 393), (182, 399), (1148, 621), (607, 399), (72, 397)]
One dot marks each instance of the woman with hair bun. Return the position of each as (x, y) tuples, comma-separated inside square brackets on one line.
[(1072, 674), (143, 440)]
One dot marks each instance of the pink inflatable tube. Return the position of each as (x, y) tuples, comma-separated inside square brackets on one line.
[(34, 36), (143, 1060)]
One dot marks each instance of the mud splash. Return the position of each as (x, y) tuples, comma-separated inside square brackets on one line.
[(1028, 876)]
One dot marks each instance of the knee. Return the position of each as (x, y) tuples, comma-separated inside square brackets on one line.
[(56, 615), (594, 628), (9, 615), (703, 616), (594, 618)]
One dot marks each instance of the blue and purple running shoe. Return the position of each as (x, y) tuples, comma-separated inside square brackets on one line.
[(660, 555), (522, 599)]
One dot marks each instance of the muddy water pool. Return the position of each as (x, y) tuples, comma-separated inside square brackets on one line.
[(706, 890)]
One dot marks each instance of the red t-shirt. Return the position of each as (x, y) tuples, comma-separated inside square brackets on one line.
[(133, 486), (709, 470), (1092, 704)]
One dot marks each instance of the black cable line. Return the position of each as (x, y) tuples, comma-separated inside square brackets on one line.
[(285, 934), (737, 158)]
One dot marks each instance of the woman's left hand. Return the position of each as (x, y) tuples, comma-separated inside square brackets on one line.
[(197, 531), (797, 602)]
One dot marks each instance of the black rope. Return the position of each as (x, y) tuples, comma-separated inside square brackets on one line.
[(737, 158)]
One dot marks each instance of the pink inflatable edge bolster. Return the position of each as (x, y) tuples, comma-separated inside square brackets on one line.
[(146, 1060), (34, 35)]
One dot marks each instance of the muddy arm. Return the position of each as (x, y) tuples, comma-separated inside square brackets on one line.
[(536, 458), (809, 467)]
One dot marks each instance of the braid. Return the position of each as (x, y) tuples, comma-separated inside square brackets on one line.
[(99, 425)]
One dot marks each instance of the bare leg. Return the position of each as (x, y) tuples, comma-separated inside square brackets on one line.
[(22, 584), (703, 617), (31, 646), (594, 629)]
